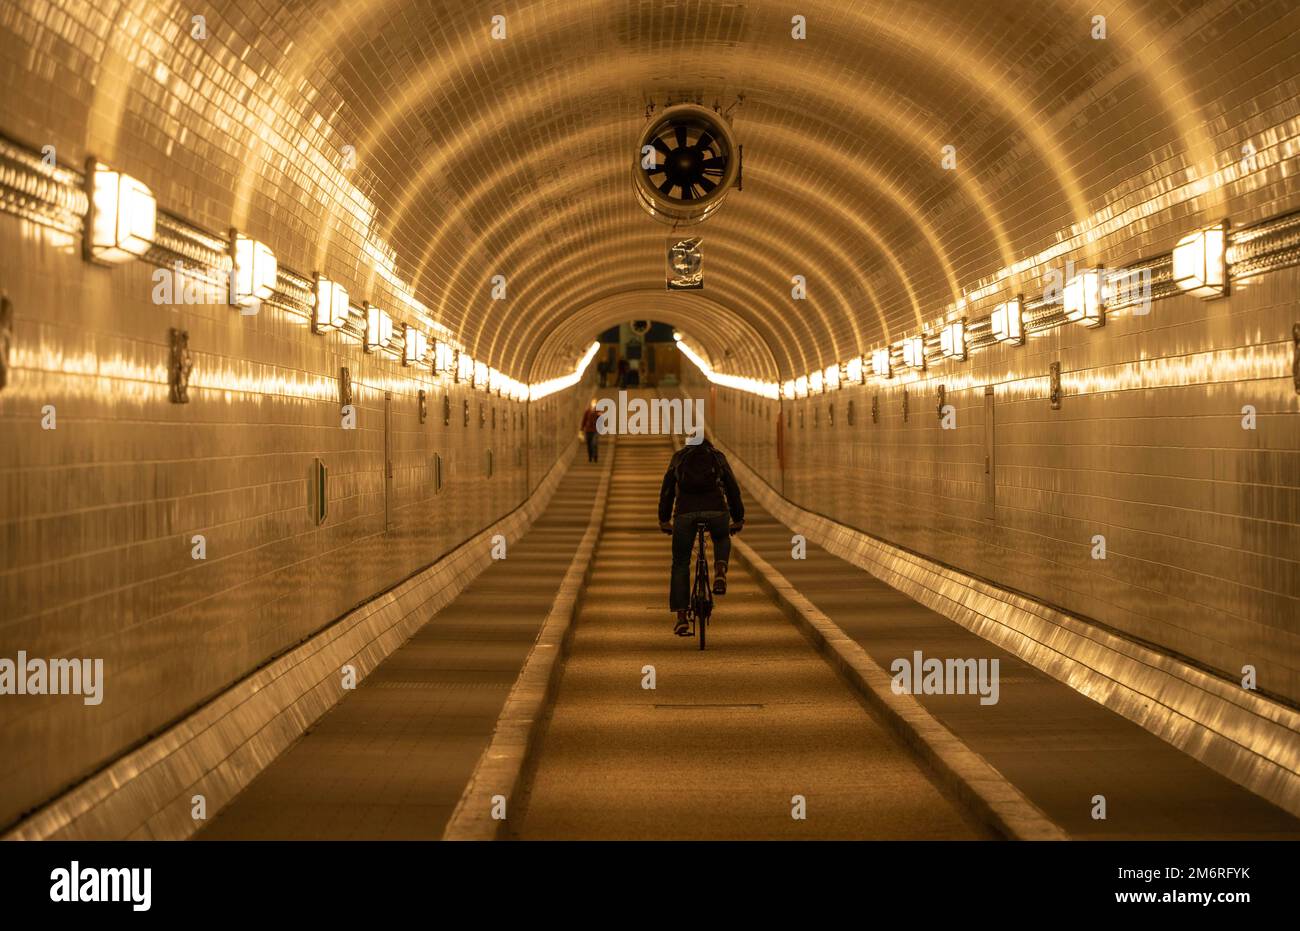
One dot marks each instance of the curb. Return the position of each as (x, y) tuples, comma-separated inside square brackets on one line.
[(501, 765), (981, 787)]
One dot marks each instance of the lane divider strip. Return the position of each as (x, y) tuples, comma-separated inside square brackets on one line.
[(500, 767), (974, 780)]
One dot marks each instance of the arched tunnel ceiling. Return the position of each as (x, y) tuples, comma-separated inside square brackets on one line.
[(480, 156)]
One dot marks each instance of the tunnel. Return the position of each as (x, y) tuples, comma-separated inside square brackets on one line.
[(651, 420)]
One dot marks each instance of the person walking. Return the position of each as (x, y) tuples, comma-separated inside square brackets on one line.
[(590, 419)]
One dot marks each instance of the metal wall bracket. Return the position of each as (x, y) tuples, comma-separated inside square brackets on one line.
[(446, 410), (6, 338), (875, 408), (943, 396), (1295, 357), (182, 363), (424, 405), (905, 405), (1056, 386), (345, 387), (317, 491)]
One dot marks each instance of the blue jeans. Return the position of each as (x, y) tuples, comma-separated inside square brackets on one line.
[(679, 593), (592, 452)]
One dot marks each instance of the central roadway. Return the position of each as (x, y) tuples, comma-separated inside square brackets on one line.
[(728, 737)]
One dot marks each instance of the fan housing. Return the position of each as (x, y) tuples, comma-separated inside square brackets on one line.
[(696, 162)]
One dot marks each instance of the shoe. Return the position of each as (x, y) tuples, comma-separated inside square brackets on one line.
[(682, 627), (720, 585)]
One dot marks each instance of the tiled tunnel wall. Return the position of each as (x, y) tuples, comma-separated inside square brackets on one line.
[(1201, 517), (99, 512), (97, 515)]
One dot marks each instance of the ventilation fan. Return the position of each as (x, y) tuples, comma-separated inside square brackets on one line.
[(640, 326), (686, 162)]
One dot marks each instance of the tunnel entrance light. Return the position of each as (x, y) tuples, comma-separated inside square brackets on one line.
[(379, 328), (122, 222), (253, 276), (543, 389), (1008, 324), (914, 352), (1199, 263), (331, 305), (853, 371), (415, 345), (1084, 300), (952, 340), (881, 363)]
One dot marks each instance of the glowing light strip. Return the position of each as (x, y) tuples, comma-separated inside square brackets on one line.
[(542, 389), (766, 389)]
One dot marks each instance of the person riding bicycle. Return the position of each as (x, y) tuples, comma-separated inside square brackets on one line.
[(700, 481)]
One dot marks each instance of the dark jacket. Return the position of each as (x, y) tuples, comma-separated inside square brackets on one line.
[(713, 500), (590, 419)]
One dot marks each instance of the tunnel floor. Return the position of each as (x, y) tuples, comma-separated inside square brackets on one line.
[(728, 736)]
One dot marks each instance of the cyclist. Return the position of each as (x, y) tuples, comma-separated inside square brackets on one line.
[(700, 481)]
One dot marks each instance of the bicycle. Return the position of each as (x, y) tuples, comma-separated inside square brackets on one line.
[(701, 605)]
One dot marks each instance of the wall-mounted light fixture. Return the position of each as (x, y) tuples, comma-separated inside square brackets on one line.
[(379, 328), (123, 216), (881, 363), (952, 340), (480, 375), (1083, 299), (331, 305), (415, 345), (1199, 262), (787, 390), (853, 371), (914, 352), (831, 377), (801, 386), (1008, 323), (253, 276), (816, 385), (443, 358)]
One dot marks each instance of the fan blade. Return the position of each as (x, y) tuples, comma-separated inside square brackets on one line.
[(705, 140), (706, 184), (660, 146), (666, 187), (688, 191), (680, 130)]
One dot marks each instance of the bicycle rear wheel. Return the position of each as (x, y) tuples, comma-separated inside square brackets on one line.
[(701, 593)]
